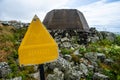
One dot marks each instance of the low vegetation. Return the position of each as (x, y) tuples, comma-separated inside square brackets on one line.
[(66, 51), (10, 39), (112, 51)]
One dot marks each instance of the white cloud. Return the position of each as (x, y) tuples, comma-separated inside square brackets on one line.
[(101, 13), (97, 12), (25, 9)]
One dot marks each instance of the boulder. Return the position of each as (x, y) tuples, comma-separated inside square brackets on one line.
[(91, 56), (4, 69), (60, 63), (73, 74), (70, 71), (67, 45), (35, 75), (67, 57), (108, 35), (101, 57), (94, 39), (91, 68), (16, 78), (76, 52), (108, 61), (57, 75), (85, 61), (98, 76), (64, 39), (84, 68)]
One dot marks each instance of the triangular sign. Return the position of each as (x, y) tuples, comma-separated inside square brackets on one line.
[(37, 46)]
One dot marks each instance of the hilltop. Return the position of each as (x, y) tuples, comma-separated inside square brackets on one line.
[(97, 59)]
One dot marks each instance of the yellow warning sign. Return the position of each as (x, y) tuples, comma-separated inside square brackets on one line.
[(37, 46)]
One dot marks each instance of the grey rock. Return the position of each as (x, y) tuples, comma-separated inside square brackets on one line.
[(85, 61), (76, 52), (94, 39), (95, 64), (70, 71), (101, 56), (73, 74), (66, 44), (4, 69), (57, 38), (91, 68), (91, 56), (67, 35), (94, 33), (98, 76), (84, 68), (67, 57), (64, 39), (58, 75), (72, 48), (35, 75), (16, 78), (36, 67), (108, 35), (108, 61), (75, 46), (60, 63), (56, 34)]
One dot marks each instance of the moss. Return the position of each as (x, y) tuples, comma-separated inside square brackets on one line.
[(110, 73), (92, 48), (75, 58), (66, 51), (105, 42), (89, 76), (82, 50)]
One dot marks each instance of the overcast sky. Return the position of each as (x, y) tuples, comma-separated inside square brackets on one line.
[(97, 12)]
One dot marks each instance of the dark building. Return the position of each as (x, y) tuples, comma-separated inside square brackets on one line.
[(66, 19)]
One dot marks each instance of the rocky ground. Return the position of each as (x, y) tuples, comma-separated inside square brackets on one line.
[(75, 65), (86, 68), (77, 60)]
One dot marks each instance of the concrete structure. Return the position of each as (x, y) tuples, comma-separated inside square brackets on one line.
[(66, 19)]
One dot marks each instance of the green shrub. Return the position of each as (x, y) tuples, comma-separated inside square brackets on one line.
[(117, 41), (110, 73), (14, 54), (13, 65), (92, 47), (10, 75), (114, 52), (82, 49), (89, 76), (66, 51), (28, 69), (105, 42), (118, 77)]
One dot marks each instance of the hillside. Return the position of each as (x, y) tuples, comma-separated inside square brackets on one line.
[(6, 41), (99, 59), (10, 39)]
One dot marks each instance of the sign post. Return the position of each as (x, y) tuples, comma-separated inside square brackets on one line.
[(37, 46), (41, 70)]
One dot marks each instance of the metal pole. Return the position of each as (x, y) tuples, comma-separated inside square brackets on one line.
[(41, 71)]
